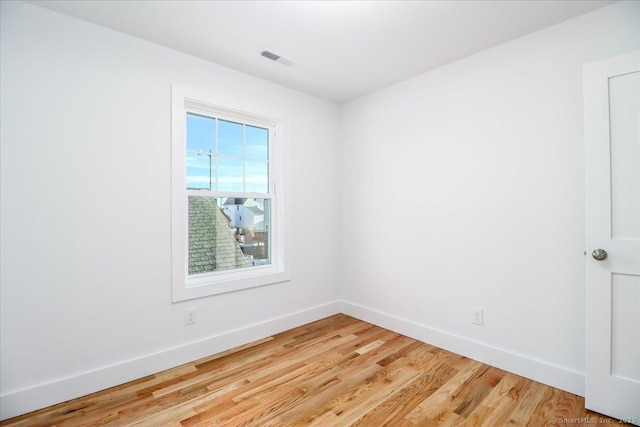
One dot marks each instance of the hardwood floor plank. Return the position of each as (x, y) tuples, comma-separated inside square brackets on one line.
[(435, 406), (338, 371), (511, 386), (399, 344), (524, 410), (501, 413), (450, 420), (479, 416), (297, 415), (370, 394), (413, 345), (393, 410)]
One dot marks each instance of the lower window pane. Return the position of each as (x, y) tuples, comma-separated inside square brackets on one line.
[(228, 233)]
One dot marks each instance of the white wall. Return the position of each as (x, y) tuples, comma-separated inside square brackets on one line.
[(85, 187), (489, 152)]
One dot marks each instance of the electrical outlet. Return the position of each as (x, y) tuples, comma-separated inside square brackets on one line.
[(190, 316), (478, 316)]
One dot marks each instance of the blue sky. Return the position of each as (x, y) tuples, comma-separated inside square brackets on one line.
[(243, 150)]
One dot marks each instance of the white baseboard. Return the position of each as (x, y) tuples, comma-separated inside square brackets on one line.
[(537, 370), (20, 402)]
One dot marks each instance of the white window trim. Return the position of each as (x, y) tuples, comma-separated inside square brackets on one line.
[(185, 100)]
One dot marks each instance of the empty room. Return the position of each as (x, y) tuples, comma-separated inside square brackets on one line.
[(327, 213)]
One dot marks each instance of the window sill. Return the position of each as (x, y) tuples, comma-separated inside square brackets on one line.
[(208, 285)]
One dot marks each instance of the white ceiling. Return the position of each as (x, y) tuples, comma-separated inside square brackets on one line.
[(342, 49)]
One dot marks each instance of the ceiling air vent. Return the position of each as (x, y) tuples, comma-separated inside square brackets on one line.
[(277, 58)]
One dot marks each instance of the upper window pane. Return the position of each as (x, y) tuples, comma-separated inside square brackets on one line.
[(256, 177), (201, 132), (226, 156), (200, 171), (230, 175), (257, 143), (230, 137)]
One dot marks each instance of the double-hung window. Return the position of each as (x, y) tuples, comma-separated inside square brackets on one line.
[(227, 226)]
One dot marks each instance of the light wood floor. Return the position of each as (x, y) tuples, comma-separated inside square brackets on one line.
[(337, 372)]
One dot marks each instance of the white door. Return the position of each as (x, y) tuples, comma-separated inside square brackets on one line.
[(612, 137)]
